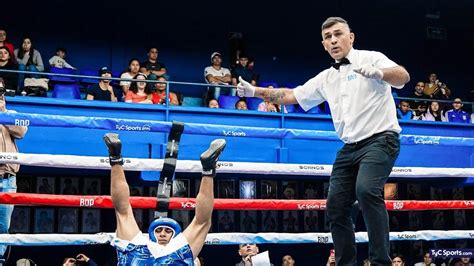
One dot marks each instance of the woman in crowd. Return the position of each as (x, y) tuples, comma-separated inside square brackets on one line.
[(132, 71), (10, 80), (434, 113), (4, 42), (139, 92), (28, 59), (159, 94)]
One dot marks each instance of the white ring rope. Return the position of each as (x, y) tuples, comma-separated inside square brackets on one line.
[(135, 164), (230, 238)]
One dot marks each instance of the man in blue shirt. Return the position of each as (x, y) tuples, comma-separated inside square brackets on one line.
[(403, 111), (457, 115)]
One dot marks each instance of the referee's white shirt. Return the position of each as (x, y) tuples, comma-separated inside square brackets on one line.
[(360, 107)]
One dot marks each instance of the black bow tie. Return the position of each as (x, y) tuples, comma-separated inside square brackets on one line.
[(344, 61)]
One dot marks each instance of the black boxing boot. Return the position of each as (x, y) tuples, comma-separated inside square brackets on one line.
[(209, 158), (114, 146)]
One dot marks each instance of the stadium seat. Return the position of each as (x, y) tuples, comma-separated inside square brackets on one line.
[(252, 103), (88, 72), (268, 83), (228, 102), (60, 79), (290, 108), (66, 91), (192, 101)]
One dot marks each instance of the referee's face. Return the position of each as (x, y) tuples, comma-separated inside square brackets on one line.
[(337, 40)]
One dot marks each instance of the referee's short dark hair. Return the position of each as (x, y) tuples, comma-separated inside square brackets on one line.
[(331, 21)]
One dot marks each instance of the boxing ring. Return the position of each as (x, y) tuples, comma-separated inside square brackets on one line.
[(191, 166)]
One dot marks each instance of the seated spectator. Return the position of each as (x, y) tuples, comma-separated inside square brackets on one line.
[(246, 252), (403, 111), (242, 70), (332, 258), (213, 103), (267, 106), (464, 262), (398, 260), (216, 74), (152, 66), (80, 259), (139, 92), (366, 262), (102, 91), (434, 113), (427, 261), (28, 59), (420, 111), (132, 71), (436, 89), (241, 104), (159, 94), (4, 42), (457, 115), (287, 260), (10, 80), (59, 60)]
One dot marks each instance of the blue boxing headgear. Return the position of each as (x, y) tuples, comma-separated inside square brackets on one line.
[(163, 222)]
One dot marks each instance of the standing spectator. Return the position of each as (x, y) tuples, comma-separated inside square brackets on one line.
[(152, 66), (356, 80), (457, 115), (427, 261), (216, 74), (403, 111), (10, 80), (102, 91), (132, 71), (8, 171), (28, 59), (4, 42), (242, 70), (59, 60), (436, 89), (139, 92), (434, 113), (287, 260), (159, 94)]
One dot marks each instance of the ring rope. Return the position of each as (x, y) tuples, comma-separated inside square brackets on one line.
[(190, 166), (219, 204), (231, 238), (205, 129)]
